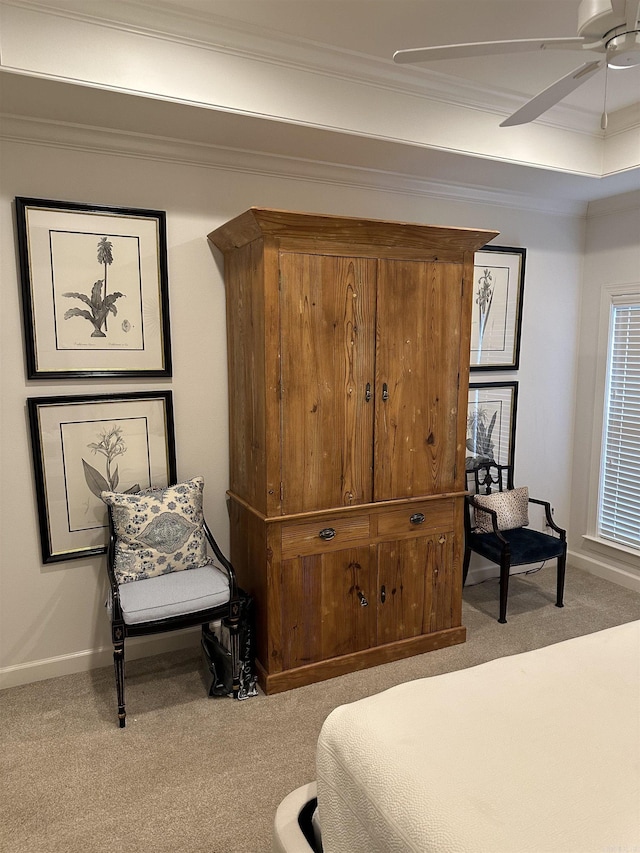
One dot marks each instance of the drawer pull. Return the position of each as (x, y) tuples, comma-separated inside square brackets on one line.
[(417, 518), (327, 533)]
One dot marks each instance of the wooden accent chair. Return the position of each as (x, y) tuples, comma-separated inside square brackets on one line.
[(174, 599), (495, 528)]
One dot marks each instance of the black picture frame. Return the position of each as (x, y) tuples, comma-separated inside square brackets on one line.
[(95, 293), (496, 319), (67, 434), (491, 424)]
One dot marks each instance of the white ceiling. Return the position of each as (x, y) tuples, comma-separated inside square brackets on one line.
[(377, 28), (356, 40)]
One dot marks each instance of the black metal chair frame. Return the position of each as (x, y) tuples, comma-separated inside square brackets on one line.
[(486, 477), (230, 613)]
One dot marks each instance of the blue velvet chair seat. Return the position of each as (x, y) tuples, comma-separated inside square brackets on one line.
[(526, 546)]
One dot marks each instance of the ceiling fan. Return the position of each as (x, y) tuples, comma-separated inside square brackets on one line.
[(607, 27)]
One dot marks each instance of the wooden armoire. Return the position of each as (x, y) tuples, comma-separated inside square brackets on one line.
[(348, 353)]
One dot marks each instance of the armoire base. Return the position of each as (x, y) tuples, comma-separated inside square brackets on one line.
[(278, 682)]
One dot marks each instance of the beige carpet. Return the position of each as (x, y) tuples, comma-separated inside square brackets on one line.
[(191, 773)]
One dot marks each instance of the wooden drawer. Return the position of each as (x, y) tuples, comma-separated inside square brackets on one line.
[(300, 539), (416, 518)]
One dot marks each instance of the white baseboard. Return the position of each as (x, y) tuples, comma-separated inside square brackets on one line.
[(479, 574), (137, 647), (616, 574)]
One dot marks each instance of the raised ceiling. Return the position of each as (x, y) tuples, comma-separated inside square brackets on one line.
[(314, 80)]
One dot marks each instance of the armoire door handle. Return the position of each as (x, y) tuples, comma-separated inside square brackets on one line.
[(367, 393), (385, 391)]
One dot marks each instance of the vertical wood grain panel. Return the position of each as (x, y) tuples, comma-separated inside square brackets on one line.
[(327, 346), (245, 348), (248, 547), (272, 377), (417, 358), (439, 588), (402, 566), (322, 613)]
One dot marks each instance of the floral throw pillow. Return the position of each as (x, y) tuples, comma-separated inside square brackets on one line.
[(158, 530), (511, 506)]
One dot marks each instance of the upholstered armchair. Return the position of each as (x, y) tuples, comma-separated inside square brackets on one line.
[(161, 575), (496, 527)]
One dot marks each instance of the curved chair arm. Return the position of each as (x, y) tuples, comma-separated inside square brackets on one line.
[(233, 584), (494, 517), (550, 520)]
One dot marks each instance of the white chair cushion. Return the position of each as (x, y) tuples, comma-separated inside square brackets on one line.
[(174, 594)]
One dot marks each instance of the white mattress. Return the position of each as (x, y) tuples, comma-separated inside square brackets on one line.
[(536, 752)]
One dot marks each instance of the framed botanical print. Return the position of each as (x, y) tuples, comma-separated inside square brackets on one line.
[(94, 290), (491, 423), (84, 445), (496, 319)]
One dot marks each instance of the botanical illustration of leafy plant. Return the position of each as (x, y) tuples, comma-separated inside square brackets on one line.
[(99, 303), (111, 445), (484, 298), (105, 257), (479, 442)]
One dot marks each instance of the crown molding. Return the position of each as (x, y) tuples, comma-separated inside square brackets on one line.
[(222, 35), (103, 141)]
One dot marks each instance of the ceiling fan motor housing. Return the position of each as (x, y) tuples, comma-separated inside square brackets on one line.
[(596, 18), (598, 22)]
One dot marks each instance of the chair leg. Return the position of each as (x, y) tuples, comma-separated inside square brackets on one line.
[(505, 565), (562, 563), (233, 624), (118, 665), (465, 564)]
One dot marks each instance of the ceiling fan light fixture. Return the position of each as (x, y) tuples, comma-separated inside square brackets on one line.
[(623, 51)]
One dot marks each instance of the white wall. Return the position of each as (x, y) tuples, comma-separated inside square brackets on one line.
[(612, 257), (51, 616)]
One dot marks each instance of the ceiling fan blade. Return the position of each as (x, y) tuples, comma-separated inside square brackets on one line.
[(485, 48), (553, 94)]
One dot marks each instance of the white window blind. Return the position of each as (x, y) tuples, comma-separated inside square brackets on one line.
[(619, 509)]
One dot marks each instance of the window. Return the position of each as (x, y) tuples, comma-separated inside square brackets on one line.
[(618, 517)]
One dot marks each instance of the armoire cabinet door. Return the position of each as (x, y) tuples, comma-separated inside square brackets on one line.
[(328, 605), (417, 364), (415, 586), (327, 311)]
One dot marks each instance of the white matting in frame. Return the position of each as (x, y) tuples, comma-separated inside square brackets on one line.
[(491, 424), (95, 290), (84, 445), (496, 319)]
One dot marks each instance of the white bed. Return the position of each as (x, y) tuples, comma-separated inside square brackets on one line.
[(536, 752)]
